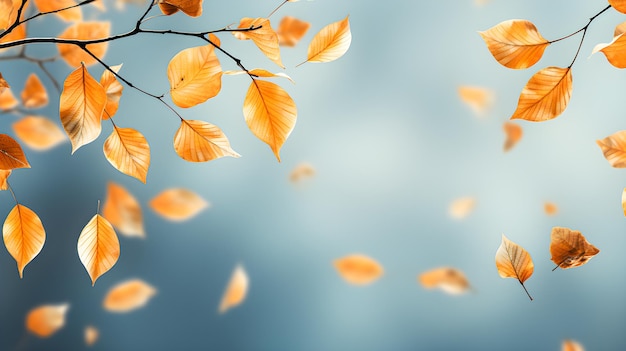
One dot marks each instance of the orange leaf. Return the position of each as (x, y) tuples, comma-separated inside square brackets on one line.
[(513, 135), (614, 51), (38, 133), (199, 141), (71, 14), (461, 207), (82, 103), (4, 179), (3, 83), (23, 235), (178, 204), (569, 248), (330, 43), (301, 171), (7, 100), (545, 96), (34, 94), (128, 296), (358, 269), (191, 8), (291, 30), (128, 151), (45, 320), (123, 211), (448, 279), (236, 290), (195, 75), (614, 149), (619, 5), (619, 29), (512, 261), (113, 89), (214, 39), (11, 154), (98, 247), (515, 43), (264, 37), (91, 335), (6, 8), (270, 113), (550, 208), (571, 345), (479, 99), (73, 54)]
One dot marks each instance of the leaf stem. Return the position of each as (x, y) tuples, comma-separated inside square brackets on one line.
[(12, 193), (526, 290)]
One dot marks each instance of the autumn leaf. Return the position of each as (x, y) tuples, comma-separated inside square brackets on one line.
[(3, 83), (264, 37), (448, 279), (513, 134), (515, 43), (550, 208), (545, 96), (512, 261), (128, 296), (358, 269), (178, 204), (70, 14), (113, 89), (571, 345), (569, 248), (73, 54), (479, 99), (236, 290), (123, 211), (23, 235), (614, 149), (290, 30), (128, 151), (34, 94), (330, 43), (6, 7), (45, 320), (91, 335), (195, 75), (214, 40), (462, 207), (7, 100), (4, 179), (619, 29), (199, 141), (98, 247), (38, 133), (11, 154), (82, 103), (259, 72), (192, 8), (619, 5), (301, 171), (614, 51)]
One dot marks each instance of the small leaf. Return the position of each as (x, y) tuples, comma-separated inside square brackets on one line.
[(4, 179), (619, 5), (113, 89), (38, 133), (264, 37), (571, 345), (11, 154), (358, 269), (128, 296), (619, 29), (330, 43), (192, 8), (545, 96), (70, 14), (178, 204), (45, 320), (73, 54), (479, 99), (550, 208), (3, 83), (199, 141), (614, 149), (123, 211), (462, 207), (614, 51), (195, 75), (236, 290), (91, 335), (301, 171), (448, 279), (98, 247), (515, 43), (291, 30), (512, 261), (513, 134), (259, 72), (128, 151), (569, 248), (7, 100), (24, 235)]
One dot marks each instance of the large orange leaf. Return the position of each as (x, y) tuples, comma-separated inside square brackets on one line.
[(128, 296), (513, 134), (619, 5), (571, 345), (195, 75), (113, 89), (128, 151), (71, 14), (290, 30), (4, 179), (199, 141), (512, 261), (330, 43), (11, 154), (236, 290), (546, 95), (448, 279), (614, 149), (515, 43), (34, 94), (615, 51), (91, 335), (82, 103), (358, 269), (123, 211), (479, 99), (98, 247), (178, 204), (45, 320), (264, 37), (7, 100), (191, 8), (38, 133), (73, 54), (23, 235), (569, 248), (270, 113)]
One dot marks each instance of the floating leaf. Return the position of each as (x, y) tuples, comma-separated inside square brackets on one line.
[(614, 51), (550, 208), (515, 43), (178, 204), (614, 149), (24, 235), (38, 133), (330, 43), (512, 261), (479, 99), (113, 89), (70, 14), (192, 8), (290, 30), (45, 320), (569, 248), (128, 296), (358, 269), (4, 179), (301, 171), (11, 154), (195, 75), (264, 37), (128, 151), (98, 247), (73, 54), (91, 335), (545, 96), (571, 345), (448, 279), (199, 141), (7, 100), (236, 290), (619, 5), (461, 207), (123, 211), (513, 134)]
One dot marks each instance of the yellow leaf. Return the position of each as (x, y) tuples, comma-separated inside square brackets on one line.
[(270, 113), (513, 261), (513, 134), (7, 100), (98, 247), (550, 208), (301, 171), (38, 133), (113, 89), (195, 75), (123, 211), (178, 204), (461, 207), (3, 83), (569, 248), (128, 296), (23, 235), (619, 5), (515, 43), (34, 94), (45, 320), (11, 154), (264, 37), (4, 179), (479, 99), (128, 151), (71, 14), (330, 43), (192, 8), (614, 149), (614, 51), (236, 290), (91, 335), (571, 345), (290, 30), (73, 54), (545, 96), (448, 279), (82, 103), (199, 141), (358, 269)]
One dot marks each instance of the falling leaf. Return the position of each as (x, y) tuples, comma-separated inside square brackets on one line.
[(178, 204), (123, 211), (515, 43), (128, 151), (24, 235), (512, 261), (70, 14), (113, 89), (619, 5), (82, 103), (513, 134), (461, 207), (614, 149), (7, 100), (11, 154), (199, 141), (301, 171), (330, 43), (128, 296), (448, 279), (4, 179), (358, 269), (569, 248), (38, 133), (614, 51), (264, 37), (571, 345), (3, 83), (479, 99), (98, 247), (192, 8), (550, 208), (236, 290), (45, 320), (545, 96), (290, 30), (270, 113), (73, 54), (195, 75), (91, 335)]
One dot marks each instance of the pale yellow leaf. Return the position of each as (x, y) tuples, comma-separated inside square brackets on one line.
[(45, 320), (615, 51), (448, 279), (128, 296), (614, 149), (7, 100), (515, 43), (91, 335), (330, 43), (178, 204), (569, 248), (195, 75), (113, 89), (236, 290), (11, 154), (192, 8), (264, 37), (4, 179), (290, 30), (358, 269), (98, 247), (571, 345), (480, 100), (38, 133), (462, 207), (123, 211), (23, 235), (199, 141), (512, 261), (301, 172), (73, 54), (128, 151), (513, 134), (545, 96), (71, 14)]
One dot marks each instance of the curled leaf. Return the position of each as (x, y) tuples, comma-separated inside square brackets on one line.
[(128, 296), (236, 290), (614, 149), (23, 235), (128, 151), (123, 211), (34, 94), (512, 261), (38, 133), (263, 37), (11, 154), (178, 204), (479, 99), (461, 207), (358, 269), (192, 8), (73, 54), (290, 30), (448, 279), (195, 75), (515, 43), (91, 335), (199, 141), (513, 134), (98, 247), (545, 96), (45, 320), (113, 89), (330, 43), (569, 248)]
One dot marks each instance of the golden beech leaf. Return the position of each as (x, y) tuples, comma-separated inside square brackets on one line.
[(236, 290), (513, 134), (479, 99), (569, 248), (264, 37), (462, 207), (195, 75), (199, 141), (73, 54), (448, 279), (301, 171), (192, 8), (6, 7), (614, 149), (512, 261), (34, 94), (82, 103), (290, 30), (545, 96), (74, 14), (24, 235), (45, 320), (619, 5), (123, 211), (614, 51), (270, 113), (358, 269), (178, 204), (128, 151), (550, 208), (330, 43), (571, 345), (38, 133), (619, 29), (3, 83), (128, 296), (515, 44), (4, 179), (98, 247), (113, 89), (7, 100), (11, 154), (91, 335)]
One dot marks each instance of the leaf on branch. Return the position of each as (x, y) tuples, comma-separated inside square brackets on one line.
[(358, 269), (259, 72), (270, 113), (6, 8), (462, 207), (128, 151), (545, 96), (11, 154), (571, 345), (619, 5), (91, 335), (73, 54), (301, 171), (615, 51), (73, 14), (178, 204), (45, 320), (515, 44), (290, 30), (98, 247), (123, 211), (7, 100), (330, 43), (18, 33), (448, 279), (82, 103), (34, 94), (192, 8), (550, 208), (214, 39), (264, 37), (23, 235), (113, 89), (3, 83), (199, 141), (4, 179), (128, 296), (513, 134), (614, 149), (38, 133), (512, 261), (479, 99), (195, 75), (236, 290), (569, 248)]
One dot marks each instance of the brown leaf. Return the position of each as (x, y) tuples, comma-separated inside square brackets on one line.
[(569, 248), (71, 14), (512, 261), (7, 100), (91, 335), (545, 96), (448, 279), (113, 89), (45, 320), (264, 37), (123, 211), (358, 269), (4, 179), (128, 296), (24, 235), (571, 345), (330, 43), (614, 51), (128, 151), (73, 54), (11, 154), (38, 133), (550, 208), (195, 75), (461, 207), (619, 5), (479, 99), (178, 204), (192, 8), (614, 149), (291, 30), (98, 247), (301, 171), (236, 290), (515, 43), (513, 134), (199, 141)]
